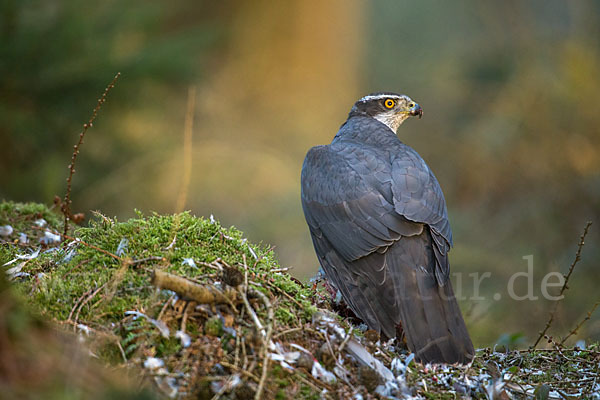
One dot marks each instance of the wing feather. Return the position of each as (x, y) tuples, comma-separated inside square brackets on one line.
[(419, 197)]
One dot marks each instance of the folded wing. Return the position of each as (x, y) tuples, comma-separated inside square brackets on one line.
[(380, 230)]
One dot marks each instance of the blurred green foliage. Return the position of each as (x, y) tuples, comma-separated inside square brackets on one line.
[(57, 56), (511, 92)]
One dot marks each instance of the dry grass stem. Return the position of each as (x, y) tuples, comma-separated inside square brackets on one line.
[(287, 332), (83, 300), (184, 318)]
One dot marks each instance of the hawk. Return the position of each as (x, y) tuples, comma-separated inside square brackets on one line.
[(379, 225)]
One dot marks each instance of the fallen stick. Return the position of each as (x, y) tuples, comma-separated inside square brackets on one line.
[(203, 294)]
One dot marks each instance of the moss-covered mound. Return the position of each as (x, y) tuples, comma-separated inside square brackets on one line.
[(196, 311), (38, 361)]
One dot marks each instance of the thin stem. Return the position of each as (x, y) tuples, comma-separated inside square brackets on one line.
[(66, 205), (564, 287)]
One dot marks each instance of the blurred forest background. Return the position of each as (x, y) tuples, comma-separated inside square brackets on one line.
[(510, 90)]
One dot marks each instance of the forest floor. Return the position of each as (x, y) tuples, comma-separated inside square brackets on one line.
[(175, 306)]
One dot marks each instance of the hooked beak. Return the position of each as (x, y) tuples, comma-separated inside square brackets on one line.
[(416, 110)]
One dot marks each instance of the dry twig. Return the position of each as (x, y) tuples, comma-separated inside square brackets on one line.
[(244, 295), (287, 331), (267, 342), (344, 342), (164, 307), (583, 321), (66, 204), (241, 371), (564, 287)]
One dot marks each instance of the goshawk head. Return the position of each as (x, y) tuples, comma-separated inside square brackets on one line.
[(389, 108)]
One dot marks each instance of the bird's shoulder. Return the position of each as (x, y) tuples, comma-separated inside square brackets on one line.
[(328, 176), (368, 132)]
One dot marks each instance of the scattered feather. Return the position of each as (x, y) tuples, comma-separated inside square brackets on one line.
[(184, 337), (122, 247), (190, 262), (153, 363), (15, 272), (161, 326), (50, 238), (23, 257), (23, 239), (319, 372), (84, 328), (6, 230), (286, 359)]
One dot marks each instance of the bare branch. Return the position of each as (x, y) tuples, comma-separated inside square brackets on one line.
[(564, 287), (66, 204), (580, 324)]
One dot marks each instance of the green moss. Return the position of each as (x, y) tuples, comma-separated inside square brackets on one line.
[(213, 326), (85, 283), (22, 217), (165, 240), (284, 314)]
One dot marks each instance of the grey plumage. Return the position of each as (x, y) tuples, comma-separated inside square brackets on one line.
[(379, 225)]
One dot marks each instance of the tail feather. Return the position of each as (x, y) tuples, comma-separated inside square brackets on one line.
[(431, 318)]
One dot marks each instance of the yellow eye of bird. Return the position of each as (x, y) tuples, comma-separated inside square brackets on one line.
[(389, 103)]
